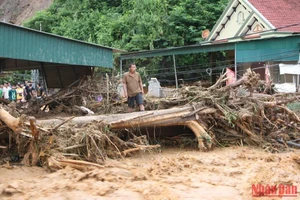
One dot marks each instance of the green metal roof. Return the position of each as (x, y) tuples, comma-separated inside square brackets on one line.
[(203, 47), (251, 50), (27, 44), (271, 49)]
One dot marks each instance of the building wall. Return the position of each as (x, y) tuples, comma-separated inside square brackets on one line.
[(233, 25)]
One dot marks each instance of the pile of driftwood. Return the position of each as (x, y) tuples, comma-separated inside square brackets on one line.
[(85, 96), (237, 114), (233, 114), (76, 142), (217, 115)]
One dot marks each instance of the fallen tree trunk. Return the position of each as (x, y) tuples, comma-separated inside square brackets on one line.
[(14, 123), (163, 118), (114, 118)]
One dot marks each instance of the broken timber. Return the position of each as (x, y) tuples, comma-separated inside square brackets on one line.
[(179, 116), (170, 117)]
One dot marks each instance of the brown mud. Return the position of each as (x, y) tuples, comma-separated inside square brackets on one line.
[(225, 173)]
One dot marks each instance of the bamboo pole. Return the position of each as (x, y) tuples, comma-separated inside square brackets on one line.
[(107, 88)]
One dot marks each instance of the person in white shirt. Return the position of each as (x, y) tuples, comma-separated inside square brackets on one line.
[(5, 90)]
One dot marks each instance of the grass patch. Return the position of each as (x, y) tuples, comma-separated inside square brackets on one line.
[(295, 106)]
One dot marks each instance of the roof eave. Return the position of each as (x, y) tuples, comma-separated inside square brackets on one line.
[(219, 20), (58, 36), (259, 14)]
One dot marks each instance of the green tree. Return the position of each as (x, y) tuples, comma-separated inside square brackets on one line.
[(130, 24), (190, 17), (135, 25)]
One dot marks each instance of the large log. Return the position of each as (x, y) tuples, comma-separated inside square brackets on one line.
[(159, 118), (10, 121), (113, 118), (123, 120)]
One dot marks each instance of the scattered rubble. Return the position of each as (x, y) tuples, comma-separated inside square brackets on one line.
[(218, 116)]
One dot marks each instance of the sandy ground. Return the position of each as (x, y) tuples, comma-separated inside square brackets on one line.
[(172, 174)]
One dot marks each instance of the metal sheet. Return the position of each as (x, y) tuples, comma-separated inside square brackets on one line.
[(64, 76), (179, 50), (273, 49), (26, 44)]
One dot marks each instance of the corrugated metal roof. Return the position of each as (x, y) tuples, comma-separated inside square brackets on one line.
[(27, 44), (249, 50), (203, 47), (272, 49)]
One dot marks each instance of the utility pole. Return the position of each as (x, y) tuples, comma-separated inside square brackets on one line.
[(175, 71)]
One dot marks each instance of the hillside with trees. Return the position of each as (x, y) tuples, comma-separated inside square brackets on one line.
[(129, 24), (134, 25)]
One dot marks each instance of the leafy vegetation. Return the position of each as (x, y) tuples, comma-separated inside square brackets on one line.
[(129, 24), (14, 77), (133, 25)]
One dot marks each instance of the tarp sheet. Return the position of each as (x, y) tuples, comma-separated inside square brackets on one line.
[(285, 87), (289, 69)]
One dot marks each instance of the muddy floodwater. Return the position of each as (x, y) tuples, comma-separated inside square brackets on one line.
[(226, 173)]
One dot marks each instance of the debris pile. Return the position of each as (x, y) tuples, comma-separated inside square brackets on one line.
[(217, 115), (67, 143), (86, 96), (237, 114), (93, 143)]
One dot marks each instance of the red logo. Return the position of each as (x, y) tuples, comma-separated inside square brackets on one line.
[(280, 190)]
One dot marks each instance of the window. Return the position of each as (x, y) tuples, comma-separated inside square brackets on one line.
[(240, 17), (257, 28)]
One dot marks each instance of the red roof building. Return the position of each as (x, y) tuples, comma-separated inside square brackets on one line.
[(282, 14), (248, 19)]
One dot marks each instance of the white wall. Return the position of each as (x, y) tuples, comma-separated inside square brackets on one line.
[(232, 26)]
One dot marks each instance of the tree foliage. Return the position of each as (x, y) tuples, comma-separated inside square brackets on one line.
[(132, 25), (15, 77)]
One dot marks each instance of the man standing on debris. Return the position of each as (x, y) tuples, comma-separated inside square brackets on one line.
[(133, 88)]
